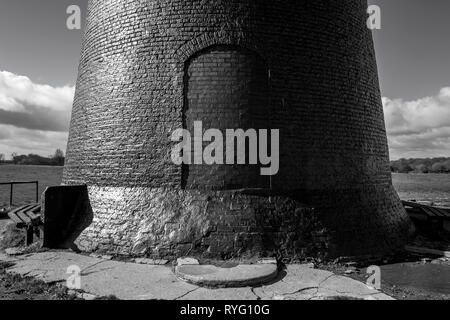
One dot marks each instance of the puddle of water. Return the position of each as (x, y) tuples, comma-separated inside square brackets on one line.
[(433, 278)]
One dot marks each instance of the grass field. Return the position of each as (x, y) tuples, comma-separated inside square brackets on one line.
[(426, 187)]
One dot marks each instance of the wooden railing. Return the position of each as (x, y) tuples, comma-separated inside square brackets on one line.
[(12, 184)]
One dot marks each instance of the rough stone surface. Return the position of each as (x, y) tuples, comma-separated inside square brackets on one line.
[(14, 251), (151, 261), (187, 261), (144, 70), (239, 276), (130, 281), (7, 258), (268, 261), (168, 224)]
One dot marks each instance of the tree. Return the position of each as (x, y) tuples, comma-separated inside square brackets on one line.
[(14, 156), (58, 154), (422, 168), (405, 168), (58, 157), (441, 167)]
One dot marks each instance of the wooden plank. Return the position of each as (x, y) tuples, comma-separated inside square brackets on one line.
[(24, 208), (444, 211), (32, 212), (32, 216), (428, 251), (447, 210), (26, 219), (24, 215), (428, 212), (411, 204), (437, 211), (37, 209), (15, 210), (431, 211), (15, 218)]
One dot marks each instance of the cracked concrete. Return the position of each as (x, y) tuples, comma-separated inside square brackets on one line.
[(302, 282), (132, 281)]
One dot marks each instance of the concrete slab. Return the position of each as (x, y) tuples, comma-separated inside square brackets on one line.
[(239, 276), (7, 258), (51, 267), (131, 281), (301, 282), (245, 294)]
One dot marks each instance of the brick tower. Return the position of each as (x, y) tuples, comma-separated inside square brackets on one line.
[(306, 68)]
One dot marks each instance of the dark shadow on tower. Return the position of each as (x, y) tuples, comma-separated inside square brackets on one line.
[(226, 87)]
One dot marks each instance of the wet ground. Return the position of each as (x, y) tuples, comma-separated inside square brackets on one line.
[(412, 277), (431, 278)]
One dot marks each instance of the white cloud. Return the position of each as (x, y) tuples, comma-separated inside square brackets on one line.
[(21, 88), (419, 128), (33, 106), (34, 118)]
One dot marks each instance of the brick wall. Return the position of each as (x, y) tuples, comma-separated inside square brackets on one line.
[(324, 97), (226, 88)]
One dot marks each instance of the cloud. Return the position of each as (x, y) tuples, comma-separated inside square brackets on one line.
[(27, 105), (34, 118), (419, 128)]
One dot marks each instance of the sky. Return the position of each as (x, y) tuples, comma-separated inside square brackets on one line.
[(39, 60)]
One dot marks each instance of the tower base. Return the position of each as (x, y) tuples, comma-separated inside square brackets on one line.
[(167, 223)]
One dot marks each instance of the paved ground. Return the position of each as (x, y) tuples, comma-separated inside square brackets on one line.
[(132, 281)]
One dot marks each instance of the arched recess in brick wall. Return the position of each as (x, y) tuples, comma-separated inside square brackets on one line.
[(225, 87)]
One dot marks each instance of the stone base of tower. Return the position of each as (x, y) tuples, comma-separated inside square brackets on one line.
[(167, 223), (364, 220)]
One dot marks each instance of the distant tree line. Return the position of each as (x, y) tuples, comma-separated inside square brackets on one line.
[(434, 165), (57, 159)]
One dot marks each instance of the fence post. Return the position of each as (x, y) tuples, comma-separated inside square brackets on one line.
[(11, 195)]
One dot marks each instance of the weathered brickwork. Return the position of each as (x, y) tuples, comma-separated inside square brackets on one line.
[(168, 223), (134, 90), (226, 88)]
